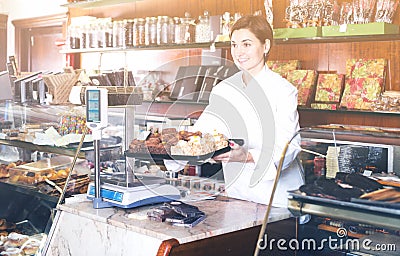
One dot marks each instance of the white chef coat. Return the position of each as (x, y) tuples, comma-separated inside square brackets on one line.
[(232, 111)]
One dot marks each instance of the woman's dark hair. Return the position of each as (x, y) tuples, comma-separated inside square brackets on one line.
[(258, 25)]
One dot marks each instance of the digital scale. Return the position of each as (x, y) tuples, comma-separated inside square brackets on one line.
[(122, 191)]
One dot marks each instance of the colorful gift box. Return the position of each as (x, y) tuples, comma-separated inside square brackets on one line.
[(328, 106), (358, 68), (329, 87), (360, 93), (364, 83), (282, 67), (304, 81)]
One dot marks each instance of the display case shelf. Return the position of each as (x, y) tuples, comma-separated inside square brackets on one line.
[(42, 148), (350, 212), (318, 140)]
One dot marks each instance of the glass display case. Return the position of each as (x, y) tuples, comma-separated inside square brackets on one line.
[(56, 129), (352, 183), (39, 146)]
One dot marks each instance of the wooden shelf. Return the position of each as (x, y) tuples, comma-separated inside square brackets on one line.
[(338, 39), (149, 47), (311, 117), (308, 116), (96, 3), (314, 40)]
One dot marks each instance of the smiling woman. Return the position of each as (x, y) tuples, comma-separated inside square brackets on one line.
[(254, 104)]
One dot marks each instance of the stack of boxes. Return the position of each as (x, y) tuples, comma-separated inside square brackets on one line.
[(359, 89)]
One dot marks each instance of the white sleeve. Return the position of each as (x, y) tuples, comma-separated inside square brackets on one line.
[(287, 124), (209, 120)]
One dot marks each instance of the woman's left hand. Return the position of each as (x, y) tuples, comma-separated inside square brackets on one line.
[(236, 154)]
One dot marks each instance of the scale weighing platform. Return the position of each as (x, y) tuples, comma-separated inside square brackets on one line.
[(142, 191), (126, 191)]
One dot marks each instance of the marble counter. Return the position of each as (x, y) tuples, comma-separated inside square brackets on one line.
[(80, 225)]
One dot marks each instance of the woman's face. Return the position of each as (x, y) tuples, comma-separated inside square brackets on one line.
[(247, 51)]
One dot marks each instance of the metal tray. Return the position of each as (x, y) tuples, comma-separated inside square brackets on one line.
[(199, 158), (296, 194), (376, 203)]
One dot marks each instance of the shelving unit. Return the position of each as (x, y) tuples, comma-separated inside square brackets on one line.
[(318, 53)]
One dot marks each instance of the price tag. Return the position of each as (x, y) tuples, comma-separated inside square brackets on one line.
[(343, 28), (367, 173)]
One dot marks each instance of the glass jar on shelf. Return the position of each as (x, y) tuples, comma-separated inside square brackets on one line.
[(151, 31), (119, 34), (174, 28), (163, 30), (84, 35), (101, 34), (128, 31), (74, 37), (140, 31), (203, 29), (187, 29), (93, 43), (108, 33), (225, 23)]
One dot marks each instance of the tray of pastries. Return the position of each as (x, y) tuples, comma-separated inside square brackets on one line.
[(182, 145), (20, 238), (35, 172), (5, 168)]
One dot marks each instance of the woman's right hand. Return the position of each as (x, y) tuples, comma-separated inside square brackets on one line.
[(236, 154)]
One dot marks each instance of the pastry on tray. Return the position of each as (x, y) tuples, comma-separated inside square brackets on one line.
[(171, 142)]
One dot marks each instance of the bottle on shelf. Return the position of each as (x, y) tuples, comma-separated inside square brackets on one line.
[(203, 29)]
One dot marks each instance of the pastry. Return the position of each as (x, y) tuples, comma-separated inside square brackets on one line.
[(169, 141), (16, 240), (30, 249), (12, 252), (62, 173)]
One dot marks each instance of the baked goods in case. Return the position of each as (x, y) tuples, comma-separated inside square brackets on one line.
[(170, 141), (4, 168)]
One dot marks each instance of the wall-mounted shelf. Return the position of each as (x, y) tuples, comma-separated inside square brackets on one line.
[(315, 40), (96, 3), (338, 39), (149, 47)]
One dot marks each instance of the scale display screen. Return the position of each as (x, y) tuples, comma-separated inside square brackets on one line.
[(93, 106)]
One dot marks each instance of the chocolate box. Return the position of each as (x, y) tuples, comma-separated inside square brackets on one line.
[(329, 88), (282, 67), (304, 81), (328, 106), (364, 83)]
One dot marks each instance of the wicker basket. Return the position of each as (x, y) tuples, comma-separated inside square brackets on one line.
[(60, 86)]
